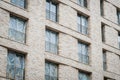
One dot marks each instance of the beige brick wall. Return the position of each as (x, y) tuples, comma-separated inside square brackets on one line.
[(113, 62), (4, 23), (68, 46), (67, 58), (111, 36), (71, 16), (67, 73), (110, 12), (3, 61)]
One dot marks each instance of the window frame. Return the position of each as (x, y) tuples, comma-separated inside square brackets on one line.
[(17, 19), (16, 4), (102, 7), (103, 32), (118, 16), (50, 12), (104, 60), (51, 32), (83, 58), (83, 3), (52, 63), (82, 24), (15, 56), (84, 73)]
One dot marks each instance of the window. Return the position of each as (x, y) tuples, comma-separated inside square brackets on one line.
[(82, 24), (104, 61), (17, 29), (51, 71), (83, 53), (20, 3), (83, 76), (119, 40), (51, 10), (103, 32), (15, 66), (51, 41), (82, 3), (105, 78), (118, 15), (101, 7)]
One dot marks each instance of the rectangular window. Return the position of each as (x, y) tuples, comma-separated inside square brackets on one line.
[(15, 66), (51, 41), (83, 76), (118, 15), (51, 10), (101, 7), (82, 3), (82, 24), (20, 3), (83, 53), (103, 32), (119, 40), (51, 71), (104, 61), (17, 29)]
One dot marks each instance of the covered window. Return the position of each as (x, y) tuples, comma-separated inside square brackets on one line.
[(118, 15), (83, 76), (83, 53), (20, 3), (51, 10), (102, 7), (51, 71), (82, 3), (82, 24), (17, 29), (104, 61), (15, 66), (51, 41), (103, 32)]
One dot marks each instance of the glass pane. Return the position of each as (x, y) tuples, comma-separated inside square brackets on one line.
[(53, 8), (48, 5), (21, 25), (83, 76), (12, 34), (47, 68), (84, 24), (53, 70), (80, 48), (13, 23), (79, 1), (10, 65), (53, 41), (21, 3), (19, 67), (14, 1), (82, 2)]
